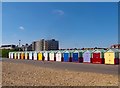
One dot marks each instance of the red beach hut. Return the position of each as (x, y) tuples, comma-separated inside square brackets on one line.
[(98, 57)]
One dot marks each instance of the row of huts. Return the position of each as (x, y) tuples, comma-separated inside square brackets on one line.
[(110, 56)]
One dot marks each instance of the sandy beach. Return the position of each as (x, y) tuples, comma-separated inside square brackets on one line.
[(21, 74)]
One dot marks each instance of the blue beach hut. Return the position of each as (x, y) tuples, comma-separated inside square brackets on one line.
[(75, 57), (66, 56)]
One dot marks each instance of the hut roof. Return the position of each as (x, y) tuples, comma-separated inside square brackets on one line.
[(112, 50)]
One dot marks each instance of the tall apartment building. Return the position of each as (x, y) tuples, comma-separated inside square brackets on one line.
[(38, 45), (51, 45), (45, 45)]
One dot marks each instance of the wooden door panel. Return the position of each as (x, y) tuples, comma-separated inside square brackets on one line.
[(111, 58), (96, 55), (107, 58)]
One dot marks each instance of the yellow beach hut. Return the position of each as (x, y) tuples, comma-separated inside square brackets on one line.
[(111, 56), (40, 56)]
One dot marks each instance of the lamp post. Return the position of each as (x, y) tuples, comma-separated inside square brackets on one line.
[(19, 44)]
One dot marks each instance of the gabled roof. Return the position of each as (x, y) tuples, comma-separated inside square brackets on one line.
[(112, 50), (75, 51), (59, 51), (66, 51), (90, 51), (96, 51)]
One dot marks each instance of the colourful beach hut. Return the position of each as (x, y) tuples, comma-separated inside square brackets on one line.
[(45, 54), (40, 56), (35, 56), (59, 56), (80, 55), (26, 55), (75, 56), (22, 55), (31, 55), (51, 56), (111, 56), (15, 55), (98, 56), (66, 56), (12, 55), (18, 55), (9, 55), (87, 56)]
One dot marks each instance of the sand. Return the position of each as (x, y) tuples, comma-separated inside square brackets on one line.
[(19, 74)]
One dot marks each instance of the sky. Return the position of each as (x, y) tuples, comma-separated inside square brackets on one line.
[(73, 24)]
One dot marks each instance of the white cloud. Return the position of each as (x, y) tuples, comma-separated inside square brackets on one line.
[(21, 28), (59, 12)]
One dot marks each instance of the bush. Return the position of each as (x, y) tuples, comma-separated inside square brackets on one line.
[(5, 52)]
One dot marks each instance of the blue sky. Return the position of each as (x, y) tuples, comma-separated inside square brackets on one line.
[(77, 25)]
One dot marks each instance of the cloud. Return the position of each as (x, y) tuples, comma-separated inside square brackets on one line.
[(59, 12), (21, 28)]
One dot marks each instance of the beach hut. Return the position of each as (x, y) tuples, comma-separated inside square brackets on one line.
[(87, 56), (59, 56), (98, 56), (23, 55), (9, 55), (111, 56), (45, 55), (35, 56), (51, 56), (75, 56), (18, 55), (15, 55), (31, 55), (40, 56), (80, 55), (66, 56), (26, 55)]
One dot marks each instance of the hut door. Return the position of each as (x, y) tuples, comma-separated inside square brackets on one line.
[(75, 57), (39, 56), (15, 56), (46, 56), (35, 56), (11, 55), (30, 56), (59, 56), (52, 56), (66, 57), (107, 58), (86, 57), (96, 55), (26, 56), (22, 56), (111, 58)]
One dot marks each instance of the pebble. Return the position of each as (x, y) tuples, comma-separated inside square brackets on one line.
[(39, 76)]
